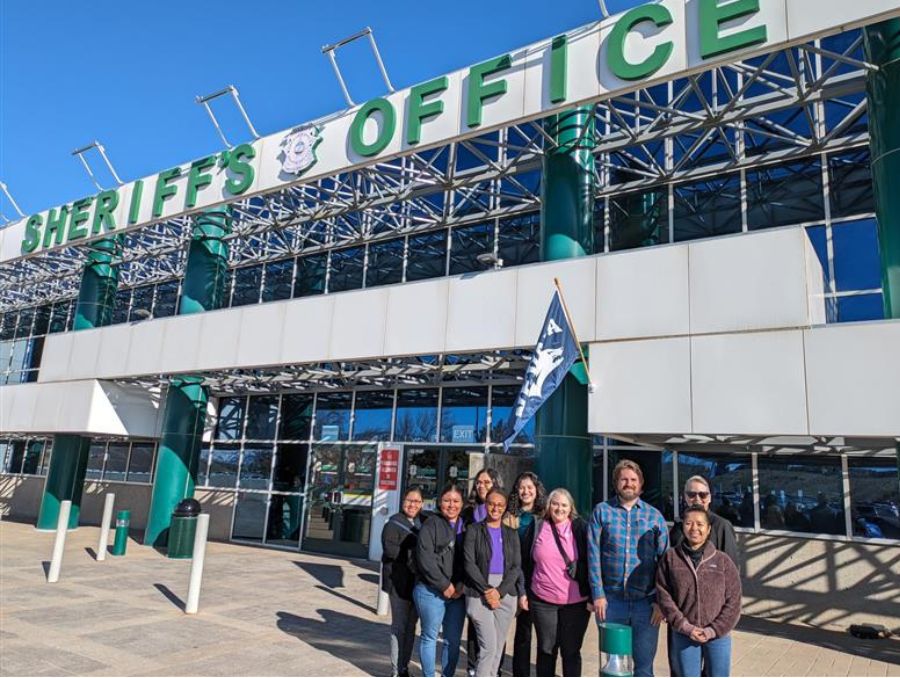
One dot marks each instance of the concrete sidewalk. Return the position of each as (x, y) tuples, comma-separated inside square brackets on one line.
[(265, 612)]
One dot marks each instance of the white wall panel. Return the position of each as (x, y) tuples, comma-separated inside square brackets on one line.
[(85, 352), (750, 383), (481, 311), (55, 358), (643, 293), (145, 349), (535, 290), (217, 339), (357, 329), (180, 342), (641, 386), (307, 329), (749, 282), (261, 328), (416, 318), (114, 345), (806, 17), (853, 376)]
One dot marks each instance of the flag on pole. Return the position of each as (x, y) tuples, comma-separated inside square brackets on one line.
[(556, 351)]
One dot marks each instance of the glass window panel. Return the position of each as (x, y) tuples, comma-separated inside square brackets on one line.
[(466, 243), (333, 416), (141, 303), (16, 456), (120, 307), (256, 466), (261, 417), (801, 494), (416, 415), (385, 265), (730, 479), (285, 516), (638, 219), (32, 461), (166, 299), (789, 193), (140, 465), (223, 465), (249, 517), (875, 493), (290, 467), (518, 240), (346, 269), (372, 418), (851, 189), (116, 462), (863, 307), (8, 326), (857, 261), (19, 355), (279, 278), (230, 423), (464, 415), (658, 470), (95, 460), (59, 317), (426, 256), (45, 460), (5, 450), (41, 320), (310, 275), (708, 208), (203, 467), (247, 281), (296, 416), (26, 320), (33, 352), (502, 400)]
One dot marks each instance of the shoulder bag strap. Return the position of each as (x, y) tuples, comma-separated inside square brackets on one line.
[(562, 551)]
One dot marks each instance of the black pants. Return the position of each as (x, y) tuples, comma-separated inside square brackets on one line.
[(521, 663), (560, 630)]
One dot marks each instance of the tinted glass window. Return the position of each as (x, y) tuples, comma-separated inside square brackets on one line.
[(140, 465), (789, 193), (518, 240), (416, 415), (730, 478), (256, 465), (223, 466), (851, 188), (502, 401), (801, 494), (333, 416), (279, 278), (467, 242), (116, 461), (261, 417), (875, 493), (310, 275), (290, 467), (346, 269), (464, 415), (385, 263), (708, 208), (166, 299), (247, 281), (250, 516), (230, 422), (427, 256), (296, 416), (372, 417)]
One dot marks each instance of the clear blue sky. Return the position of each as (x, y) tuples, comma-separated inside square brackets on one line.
[(126, 73)]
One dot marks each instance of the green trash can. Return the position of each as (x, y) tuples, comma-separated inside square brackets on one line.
[(615, 650), (183, 529)]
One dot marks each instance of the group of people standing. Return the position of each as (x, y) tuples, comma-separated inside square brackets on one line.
[(528, 556)]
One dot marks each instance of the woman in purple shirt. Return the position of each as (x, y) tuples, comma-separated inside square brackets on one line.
[(492, 567)]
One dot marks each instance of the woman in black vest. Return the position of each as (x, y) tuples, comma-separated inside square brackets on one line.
[(398, 543)]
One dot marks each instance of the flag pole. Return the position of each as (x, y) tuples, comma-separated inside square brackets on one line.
[(562, 298)]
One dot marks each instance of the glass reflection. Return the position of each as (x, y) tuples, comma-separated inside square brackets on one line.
[(290, 467), (296, 416), (230, 423), (249, 517), (502, 400), (372, 415), (731, 481), (285, 516), (95, 460), (256, 466), (261, 417), (223, 464), (416, 415), (116, 462), (140, 465), (875, 491), (801, 494), (333, 415), (464, 415)]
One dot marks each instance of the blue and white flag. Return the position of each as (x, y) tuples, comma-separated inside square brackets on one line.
[(555, 353)]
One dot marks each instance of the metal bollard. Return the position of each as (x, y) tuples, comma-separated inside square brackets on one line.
[(199, 555), (383, 601), (123, 520), (59, 544), (104, 525)]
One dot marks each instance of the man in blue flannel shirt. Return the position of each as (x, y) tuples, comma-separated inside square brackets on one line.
[(627, 539)]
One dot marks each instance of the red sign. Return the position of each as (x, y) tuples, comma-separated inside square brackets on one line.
[(389, 471)]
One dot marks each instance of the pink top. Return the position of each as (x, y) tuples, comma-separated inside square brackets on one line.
[(550, 582)]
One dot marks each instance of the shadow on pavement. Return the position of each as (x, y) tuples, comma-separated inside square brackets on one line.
[(46, 565), (358, 641), (371, 578), (170, 595), (331, 576), (885, 650), (91, 552), (342, 596)]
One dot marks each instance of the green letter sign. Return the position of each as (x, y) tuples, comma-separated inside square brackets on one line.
[(198, 178), (385, 131), (419, 110), (163, 190), (32, 233), (479, 92), (559, 58), (713, 14), (618, 64), (244, 170)]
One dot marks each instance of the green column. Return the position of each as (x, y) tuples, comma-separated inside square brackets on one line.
[(203, 289), (96, 299), (563, 444)]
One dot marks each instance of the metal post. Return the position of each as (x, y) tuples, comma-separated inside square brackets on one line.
[(383, 601), (59, 544), (193, 596), (103, 544)]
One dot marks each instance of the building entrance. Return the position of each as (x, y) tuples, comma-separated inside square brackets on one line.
[(433, 466), (339, 510)]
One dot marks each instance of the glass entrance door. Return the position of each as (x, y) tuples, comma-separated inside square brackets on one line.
[(339, 510), (431, 467)]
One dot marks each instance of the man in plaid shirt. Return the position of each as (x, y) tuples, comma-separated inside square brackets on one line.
[(627, 538)]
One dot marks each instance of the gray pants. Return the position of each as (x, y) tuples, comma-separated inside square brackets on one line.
[(403, 633), (491, 626)]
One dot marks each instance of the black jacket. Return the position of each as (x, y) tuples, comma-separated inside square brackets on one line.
[(579, 530), (468, 515), (478, 549), (398, 547), (439, 558), (721, 535)]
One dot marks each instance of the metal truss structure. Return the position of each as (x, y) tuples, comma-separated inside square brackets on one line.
[(752, 114)]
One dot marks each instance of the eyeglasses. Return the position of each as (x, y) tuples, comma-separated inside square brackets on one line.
[(697, 495), (412, 501), (498, 505)]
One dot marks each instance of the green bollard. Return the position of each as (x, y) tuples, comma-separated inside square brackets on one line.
[(615, 650), (123, 520)]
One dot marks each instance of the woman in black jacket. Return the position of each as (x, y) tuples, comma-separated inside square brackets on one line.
[(398, 544), (493, 568), (439, 582)]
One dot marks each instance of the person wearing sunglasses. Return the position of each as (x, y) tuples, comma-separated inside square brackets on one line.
[(721, 535)]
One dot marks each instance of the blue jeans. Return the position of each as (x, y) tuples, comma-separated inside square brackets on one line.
[(644, 636), (688, 654), (436, 613)]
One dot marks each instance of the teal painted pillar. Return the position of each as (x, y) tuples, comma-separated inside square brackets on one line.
[(203, 289), (96, 299), (563, 444)]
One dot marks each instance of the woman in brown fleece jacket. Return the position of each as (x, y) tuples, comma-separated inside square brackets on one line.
[(698, 589)]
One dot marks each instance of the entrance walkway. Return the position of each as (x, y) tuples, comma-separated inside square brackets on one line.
[(265, 612)]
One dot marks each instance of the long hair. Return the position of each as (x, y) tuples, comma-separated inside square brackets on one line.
[(513, 504), (562, 492), (495, 480)]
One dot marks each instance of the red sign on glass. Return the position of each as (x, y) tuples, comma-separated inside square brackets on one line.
[(389, 470)]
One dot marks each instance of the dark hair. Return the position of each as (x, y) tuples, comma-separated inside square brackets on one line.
[(495, 480), (540, 500), (696, 508), (496, 490), (414, 488), (451, 487)]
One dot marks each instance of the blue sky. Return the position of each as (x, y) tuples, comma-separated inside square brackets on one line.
[(127, 73)]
